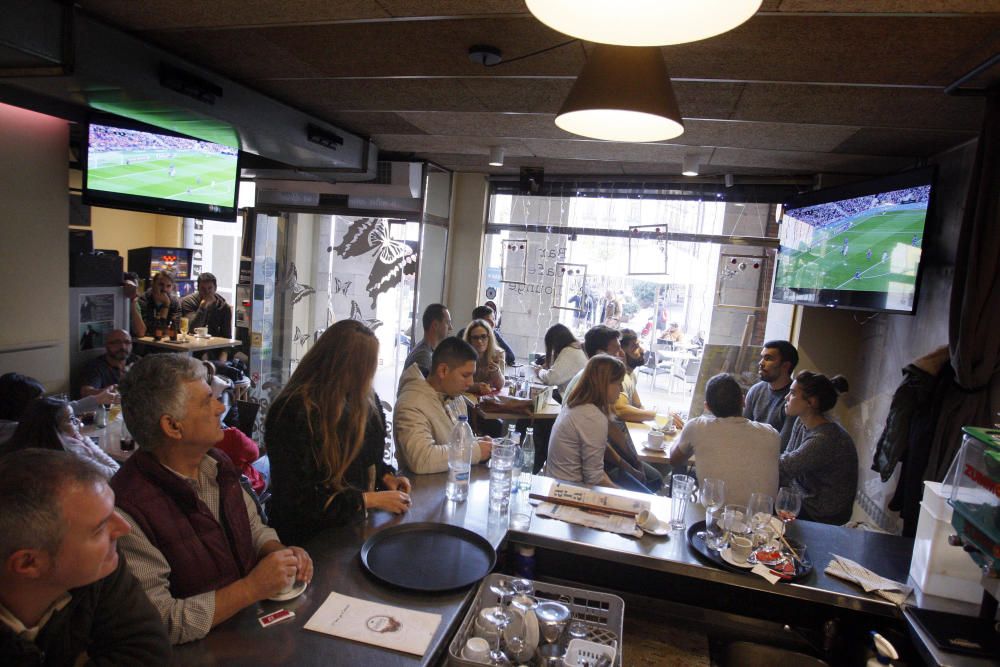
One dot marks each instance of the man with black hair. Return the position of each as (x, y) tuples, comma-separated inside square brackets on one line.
[(66, 596), (427, 409), (629, 406), (765, 400), (437, 325), (727, 446), (598, 340)]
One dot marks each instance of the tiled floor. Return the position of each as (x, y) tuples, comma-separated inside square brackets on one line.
[(652, 640)]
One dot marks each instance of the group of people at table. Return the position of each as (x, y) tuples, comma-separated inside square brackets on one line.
[(115, 563)]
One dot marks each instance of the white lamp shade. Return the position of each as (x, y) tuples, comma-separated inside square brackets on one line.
[(690, 166), (643, 22), (622, 94), (496, 156)]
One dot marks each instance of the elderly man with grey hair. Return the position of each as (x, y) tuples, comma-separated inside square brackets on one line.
[(65, 595), (198, 545)]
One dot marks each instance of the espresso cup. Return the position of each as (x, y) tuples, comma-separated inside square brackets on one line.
[(655, 439), (739, 548), (476, 649), (201, 332)]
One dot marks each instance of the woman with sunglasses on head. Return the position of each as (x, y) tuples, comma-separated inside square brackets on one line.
[(490, 365), (820, 460), (325, 437), (49, 423)]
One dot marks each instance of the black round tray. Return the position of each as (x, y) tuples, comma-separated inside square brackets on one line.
[(428, 557), (698, 546)]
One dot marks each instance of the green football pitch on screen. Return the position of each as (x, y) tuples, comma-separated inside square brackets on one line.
[(878, 253), (189, 176)]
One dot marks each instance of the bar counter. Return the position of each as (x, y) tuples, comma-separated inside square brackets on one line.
[(338, 567)]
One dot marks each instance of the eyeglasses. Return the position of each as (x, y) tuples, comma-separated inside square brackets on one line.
[(480, 337), (75, 421)]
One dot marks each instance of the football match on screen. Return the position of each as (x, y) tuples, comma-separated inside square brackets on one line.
[(870, 243), (131, 162)]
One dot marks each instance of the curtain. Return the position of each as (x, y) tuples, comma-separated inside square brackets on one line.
[(974, 318)]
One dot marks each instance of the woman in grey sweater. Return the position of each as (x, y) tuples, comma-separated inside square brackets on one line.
[(820, 459)]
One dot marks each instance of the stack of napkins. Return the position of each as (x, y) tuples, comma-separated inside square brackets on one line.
[(845, 568), (373, 623)]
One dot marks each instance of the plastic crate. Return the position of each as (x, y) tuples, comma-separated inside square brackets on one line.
[(602, 613)]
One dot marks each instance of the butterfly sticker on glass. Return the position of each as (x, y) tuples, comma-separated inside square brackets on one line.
[(341, 287), (302, 337), (292, 284), (372, 324), (393, 259)]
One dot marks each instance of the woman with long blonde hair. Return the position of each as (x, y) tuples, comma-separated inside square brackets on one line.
[(490, 364), (580, 434), (325, 437)]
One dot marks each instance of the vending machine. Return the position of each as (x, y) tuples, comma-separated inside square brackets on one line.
[(146, 262)]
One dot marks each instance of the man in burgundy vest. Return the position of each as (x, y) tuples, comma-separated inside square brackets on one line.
[(197, 545)]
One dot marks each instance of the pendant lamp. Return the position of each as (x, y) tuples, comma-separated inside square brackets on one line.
[(643, 22), (622, 94)]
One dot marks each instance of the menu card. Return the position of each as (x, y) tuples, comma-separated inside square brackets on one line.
[(610, 523), (373, 623)]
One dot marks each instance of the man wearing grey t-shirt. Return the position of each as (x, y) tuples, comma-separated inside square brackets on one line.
[(765, 401)]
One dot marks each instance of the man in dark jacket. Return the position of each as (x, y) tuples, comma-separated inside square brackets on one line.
[(206, 308), (197, 545), (66, 597)]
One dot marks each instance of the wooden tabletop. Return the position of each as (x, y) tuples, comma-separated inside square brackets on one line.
[(192, 345), (639, 432)]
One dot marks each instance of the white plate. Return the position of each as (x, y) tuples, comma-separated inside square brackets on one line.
[(728, 557), (296, 591), (655, 449)]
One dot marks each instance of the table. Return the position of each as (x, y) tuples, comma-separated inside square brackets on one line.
[(108, 437), (638, 432), (193, 344), (549, 411)]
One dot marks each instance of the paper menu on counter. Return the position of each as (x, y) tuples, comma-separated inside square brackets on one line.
[(584, 495), (394, 628), (610, 523)]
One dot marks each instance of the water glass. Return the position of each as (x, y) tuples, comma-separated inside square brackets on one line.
[(735, 522), (681, 488), (715, 535), (501, 469)]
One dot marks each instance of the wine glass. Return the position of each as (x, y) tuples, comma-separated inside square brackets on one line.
[(787, 506), (760, 507), (713, 497), (501, 618)]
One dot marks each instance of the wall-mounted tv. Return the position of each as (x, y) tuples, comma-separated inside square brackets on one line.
[(858, 246), (144, 169)]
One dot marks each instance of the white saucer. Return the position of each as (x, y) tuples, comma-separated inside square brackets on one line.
[(205, 337), (296, 591), (655, 449), (728, 557), (659, 529)]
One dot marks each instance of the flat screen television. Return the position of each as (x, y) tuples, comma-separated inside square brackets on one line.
[(858, 246), (144, 169)]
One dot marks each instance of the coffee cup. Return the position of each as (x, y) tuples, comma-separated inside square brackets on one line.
[(476, 649), (655, 439), (201, 332), (739, 548)]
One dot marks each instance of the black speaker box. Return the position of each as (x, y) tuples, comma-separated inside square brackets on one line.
[(95, 270)]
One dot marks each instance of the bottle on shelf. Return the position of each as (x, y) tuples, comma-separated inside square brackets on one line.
[(459, 460), (527, 459)]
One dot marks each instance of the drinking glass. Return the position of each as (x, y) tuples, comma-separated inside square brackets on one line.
[(681, 487), (552, 618), (184, 326), (501, 618), (735, 522), (759, 508), (787, 506), (713, 497)]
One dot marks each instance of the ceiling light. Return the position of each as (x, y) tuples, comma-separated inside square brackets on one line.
[(690, 167), (643, 22), (496, 156), (622, 94)]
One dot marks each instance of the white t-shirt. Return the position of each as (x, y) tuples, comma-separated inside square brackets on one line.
[(741, 452)]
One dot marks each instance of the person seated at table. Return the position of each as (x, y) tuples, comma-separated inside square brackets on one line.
[(159, 305), (240, 449), (488, 312), (106, 371), (198, 545), (564, 358), (325, 437), (820, 460), (580, 434), (766, 399), (599, 339), (629, 406), (49, 423), (436, 321), (206, 308), (728, 446), (427, 409), (66, 596), (17, 391), (673, 335), (490, 366)]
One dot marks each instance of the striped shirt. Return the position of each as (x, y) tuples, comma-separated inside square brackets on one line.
[(190, 618)]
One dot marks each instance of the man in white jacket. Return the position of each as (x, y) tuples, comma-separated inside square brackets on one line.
[(427, 409)]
